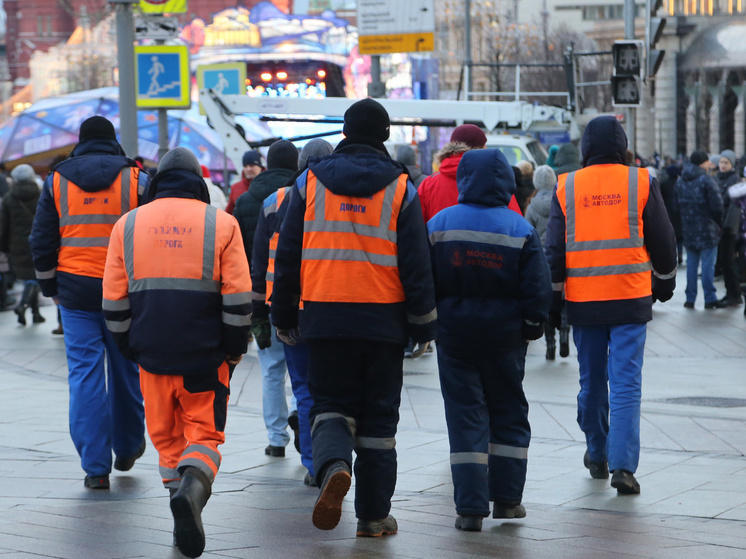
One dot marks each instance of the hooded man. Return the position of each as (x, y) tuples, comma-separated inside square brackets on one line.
[(353, 248), (493, 293), (177, 299), (608, 228), (80, 201), (252, 166)]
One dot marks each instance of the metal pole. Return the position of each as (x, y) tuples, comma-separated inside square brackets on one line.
[(162, 133), (126, 54), (376, 87), (467, 45), (629, 34), (517, 82)]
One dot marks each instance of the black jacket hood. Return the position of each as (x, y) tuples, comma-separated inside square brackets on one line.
[(604, 142), (485, 178), (356, 170), (177, 183), (94, 164)]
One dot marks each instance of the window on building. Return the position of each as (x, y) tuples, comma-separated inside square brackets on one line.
[(49, 25), (39, 26)]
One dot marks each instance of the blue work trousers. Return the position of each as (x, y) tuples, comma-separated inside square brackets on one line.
[(610, 361), (297, 360), (488, 429), (707, 258), (356, 388), (274, 398), (106, 406)]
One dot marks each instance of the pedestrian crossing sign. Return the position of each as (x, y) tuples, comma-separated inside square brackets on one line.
[(228, 78), (162, 77)]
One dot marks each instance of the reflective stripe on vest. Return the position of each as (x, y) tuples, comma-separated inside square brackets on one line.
[(350, 252), (606, 258), (270, 277), (87, 218), (206, 283)]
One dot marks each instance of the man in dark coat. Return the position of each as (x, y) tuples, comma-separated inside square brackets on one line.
[(726, 177), (701, 207), (353, 240)]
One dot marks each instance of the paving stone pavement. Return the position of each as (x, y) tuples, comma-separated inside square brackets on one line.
[(692, 468)]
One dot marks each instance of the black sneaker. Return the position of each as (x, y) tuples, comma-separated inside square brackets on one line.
[(719, 304), (275, 451), (469, 523), (625, 483), (328, 508), (125, 464), (377, 528), (501, 510), (689, 305), (295, 426), (599, 470), (97, 482)]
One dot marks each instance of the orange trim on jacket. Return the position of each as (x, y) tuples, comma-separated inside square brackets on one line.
[(350, 252), (87, 218), (606, 258)]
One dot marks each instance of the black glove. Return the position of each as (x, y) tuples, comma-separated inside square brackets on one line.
[(262, 331), (290, 337), (663, 289), (532, 330)]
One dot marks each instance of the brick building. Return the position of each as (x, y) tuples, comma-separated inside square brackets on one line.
[(40, 24)]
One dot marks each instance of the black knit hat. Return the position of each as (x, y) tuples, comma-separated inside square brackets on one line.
[(367, 118), (698, 157), (97, 127), (282, 155)]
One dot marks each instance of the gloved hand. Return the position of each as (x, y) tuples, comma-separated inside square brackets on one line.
[(532, 330), (262, 331), (663, 289), (290, 336), (555, 310)]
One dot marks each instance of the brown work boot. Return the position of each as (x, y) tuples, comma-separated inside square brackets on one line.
[(377, 528), (328, 508)]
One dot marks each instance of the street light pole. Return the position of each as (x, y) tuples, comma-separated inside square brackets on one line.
[(629, 34), (126, 56)]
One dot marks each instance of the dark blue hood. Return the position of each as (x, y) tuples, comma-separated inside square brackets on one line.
[(94, 164), (691, 171), (356, 171), (485, 178), (604, 142)]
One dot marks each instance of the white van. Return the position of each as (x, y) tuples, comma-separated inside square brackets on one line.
[(517, 148)]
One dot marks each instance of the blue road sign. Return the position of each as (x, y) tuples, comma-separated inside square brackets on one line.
[(226, 81), (162, 77)]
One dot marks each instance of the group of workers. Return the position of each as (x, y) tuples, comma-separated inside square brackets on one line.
[(345, 272)]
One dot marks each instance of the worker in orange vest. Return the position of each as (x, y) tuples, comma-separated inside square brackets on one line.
[(353, 248), (81, 200), (608, 229), (177, 298)]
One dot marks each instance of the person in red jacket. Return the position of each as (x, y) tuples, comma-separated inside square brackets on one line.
[(252, 166), (439, 191)]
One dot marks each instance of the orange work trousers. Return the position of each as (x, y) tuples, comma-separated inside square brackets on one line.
[(185, 417)]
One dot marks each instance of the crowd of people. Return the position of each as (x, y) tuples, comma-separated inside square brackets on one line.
[(341, 261)]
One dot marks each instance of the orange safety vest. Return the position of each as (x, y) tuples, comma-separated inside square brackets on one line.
[(273, 245), (605, 252), (350, 252), (87, 218)]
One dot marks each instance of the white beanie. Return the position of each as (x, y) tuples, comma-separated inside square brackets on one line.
[(23, 172), (545, 178)]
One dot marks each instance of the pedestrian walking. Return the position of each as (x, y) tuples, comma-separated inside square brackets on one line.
[(80, 202), (701, 207), (177, 299), (493, 293), (607, 229), (16, 219), (282, 163), (353, 248), (728, 176), (252, 166)]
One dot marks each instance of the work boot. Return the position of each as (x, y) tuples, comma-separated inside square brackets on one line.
[(564, 341), (377, 528), (551, 343), (275, 451), (295, 426), (97, 482), (328, 508), (502, 510), (420, 349), (23, 304), (125, 464), (186, 506), (599, 470), (469, 523), (625, 483), (33, 302)]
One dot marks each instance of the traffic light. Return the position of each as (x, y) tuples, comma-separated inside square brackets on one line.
[(653, 32), (626, 82)]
